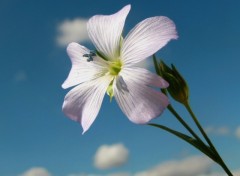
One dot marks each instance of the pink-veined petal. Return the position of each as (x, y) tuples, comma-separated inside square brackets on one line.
[(105, 32), (83, 102), (82, 70), (146, 38), (144, 76), (139, 102)]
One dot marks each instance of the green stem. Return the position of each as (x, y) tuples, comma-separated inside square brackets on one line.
[(180, 119), (156, 65), (220, 160)]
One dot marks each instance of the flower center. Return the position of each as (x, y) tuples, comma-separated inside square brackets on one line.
[(115, 67)]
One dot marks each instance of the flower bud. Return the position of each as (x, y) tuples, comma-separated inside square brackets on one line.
[(178, 87)]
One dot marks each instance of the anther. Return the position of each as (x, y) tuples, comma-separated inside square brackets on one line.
[(89, 56)]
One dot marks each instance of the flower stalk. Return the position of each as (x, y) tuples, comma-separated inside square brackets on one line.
[(179, 91), (219, 160)]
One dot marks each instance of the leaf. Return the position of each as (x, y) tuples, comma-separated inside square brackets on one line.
[(198, 145)]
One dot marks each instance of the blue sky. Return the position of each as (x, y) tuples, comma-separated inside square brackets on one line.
[(35, 133)]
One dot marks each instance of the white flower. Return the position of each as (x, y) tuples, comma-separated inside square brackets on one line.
[(112, 70)]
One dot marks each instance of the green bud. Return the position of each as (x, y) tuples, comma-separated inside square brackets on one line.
[(178, 87)]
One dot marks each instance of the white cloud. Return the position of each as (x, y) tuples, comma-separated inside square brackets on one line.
[(112, 174), (189, 166), (194, 165), (36, 171), (235, 173), (204, 172), (84, 174), (220, 131), (72, 31), (238, 132), (120, 174), (108, 156)]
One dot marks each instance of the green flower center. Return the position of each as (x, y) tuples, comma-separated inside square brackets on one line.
[(115, 67)]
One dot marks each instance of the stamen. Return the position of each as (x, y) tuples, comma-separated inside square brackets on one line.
[(89, 56)]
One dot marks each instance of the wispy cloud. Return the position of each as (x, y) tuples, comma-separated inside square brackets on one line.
[(84, 174), (235, 173), (120, 174), (238, 132), (36, 171), (109, 156), (113, 174), (194, 165), (72, 31), (219, 131)]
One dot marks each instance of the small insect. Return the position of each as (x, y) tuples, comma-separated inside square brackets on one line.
[(89, 56)]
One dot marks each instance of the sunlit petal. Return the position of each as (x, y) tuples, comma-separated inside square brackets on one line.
[(83, 102), (139, 102), (143, 76), (82, 70), (105, 32), (146, 38)]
